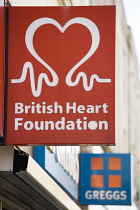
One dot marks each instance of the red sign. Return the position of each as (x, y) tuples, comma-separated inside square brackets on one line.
[(61, 75), (2, 48)]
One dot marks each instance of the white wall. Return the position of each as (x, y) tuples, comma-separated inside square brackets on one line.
[(113, 207)]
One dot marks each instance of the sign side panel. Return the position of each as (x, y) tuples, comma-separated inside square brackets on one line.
[(2, 63)]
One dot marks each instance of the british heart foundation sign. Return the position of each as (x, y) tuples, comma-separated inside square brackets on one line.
[(61, 75)]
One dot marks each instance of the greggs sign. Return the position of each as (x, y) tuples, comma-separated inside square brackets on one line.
[(105, 179), (61, 75)]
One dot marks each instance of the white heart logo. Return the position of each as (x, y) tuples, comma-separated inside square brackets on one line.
[(95, 37)]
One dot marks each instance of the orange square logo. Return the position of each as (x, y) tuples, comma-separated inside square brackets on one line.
[(96, 164), (96, 181), (115, 181), (115, 164)]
